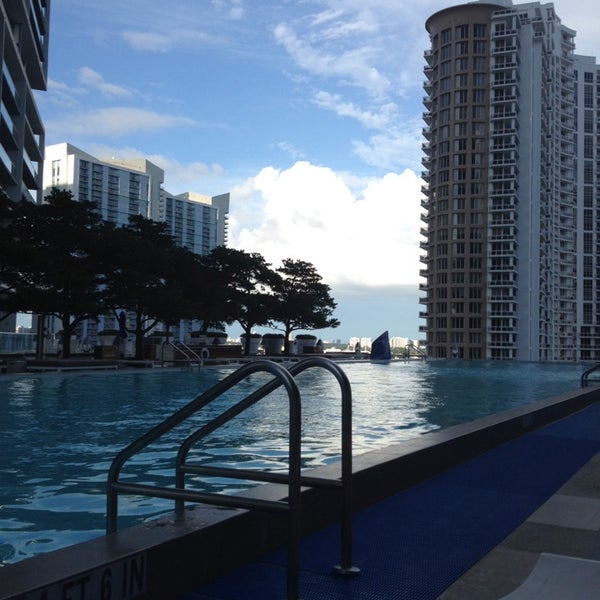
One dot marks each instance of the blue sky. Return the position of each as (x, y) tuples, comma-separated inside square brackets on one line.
[(307, 111)]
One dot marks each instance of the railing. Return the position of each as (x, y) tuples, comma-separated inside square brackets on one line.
[(189, 355), (585, 377), (294, 479)]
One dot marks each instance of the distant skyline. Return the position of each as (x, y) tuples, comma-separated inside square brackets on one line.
[(309, 113)]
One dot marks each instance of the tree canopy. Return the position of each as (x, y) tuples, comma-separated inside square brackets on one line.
[(303, 300), (60, 258)]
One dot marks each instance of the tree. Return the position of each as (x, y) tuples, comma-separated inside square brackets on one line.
[(49, 260), (246, 283), (148, 275), (303, 300)]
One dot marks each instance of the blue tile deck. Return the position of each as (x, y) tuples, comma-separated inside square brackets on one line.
[(413, 545)]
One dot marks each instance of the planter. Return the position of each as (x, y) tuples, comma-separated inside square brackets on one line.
[(216, 338), (106, 337), (273, 343), (196, 338), (254, 343), (303, 344)]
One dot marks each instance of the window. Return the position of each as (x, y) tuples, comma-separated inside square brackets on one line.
[(479, 80), (478, 128), (479, 47), (459, 189), (479, 63), (446, 36), (461, 64), (478, 112), (588, 96), (445, 68), (462, 48), (446, 52), (478, 96), (459, 174), (461, 32), (461, 113), (460, 129), (461, 80), (55, 172), (461, 97), (479, 30), (460, 145)]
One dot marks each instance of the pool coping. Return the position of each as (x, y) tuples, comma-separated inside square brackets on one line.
[(163, 558)]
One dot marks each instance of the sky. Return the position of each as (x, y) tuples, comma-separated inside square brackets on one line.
[(308, 112)]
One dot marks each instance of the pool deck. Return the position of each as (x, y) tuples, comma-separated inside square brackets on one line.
[(506, 503), (521, 519)]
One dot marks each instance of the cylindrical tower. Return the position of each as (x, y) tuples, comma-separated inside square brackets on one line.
[(456, 160)]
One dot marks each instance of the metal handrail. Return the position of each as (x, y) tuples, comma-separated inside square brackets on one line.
[(182, 467), (294, 479), (189, 354), (585, 377)]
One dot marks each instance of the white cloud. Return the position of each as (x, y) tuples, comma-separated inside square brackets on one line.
[(209, 179), (114, 122), (367, 118), (160, 42), (95, 80), (366, 237), (352, 65)]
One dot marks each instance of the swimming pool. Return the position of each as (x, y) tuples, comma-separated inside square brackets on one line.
[(59, 433)]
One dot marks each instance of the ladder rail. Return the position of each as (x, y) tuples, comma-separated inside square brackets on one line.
[(293, 478), (585, 377), (182, 467)]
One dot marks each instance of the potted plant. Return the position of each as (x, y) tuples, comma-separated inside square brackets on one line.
[(304, 343), (254, 342), (216, 337), (106, 337), (273, 343), (197, 337)]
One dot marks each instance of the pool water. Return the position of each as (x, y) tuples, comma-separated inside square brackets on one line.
[(59, 433)]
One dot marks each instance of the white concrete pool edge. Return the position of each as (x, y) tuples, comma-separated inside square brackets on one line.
[(162, 558)]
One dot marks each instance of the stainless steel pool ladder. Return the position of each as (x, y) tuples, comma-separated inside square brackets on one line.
[(585, 377), (188, 354), (294, 478)]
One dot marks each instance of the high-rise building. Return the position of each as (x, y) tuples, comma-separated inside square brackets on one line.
[(129, 187), (24, 59), (511, 241)]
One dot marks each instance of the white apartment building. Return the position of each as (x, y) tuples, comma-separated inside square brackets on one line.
[(507, 129), (119, 191), (127, 187)]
